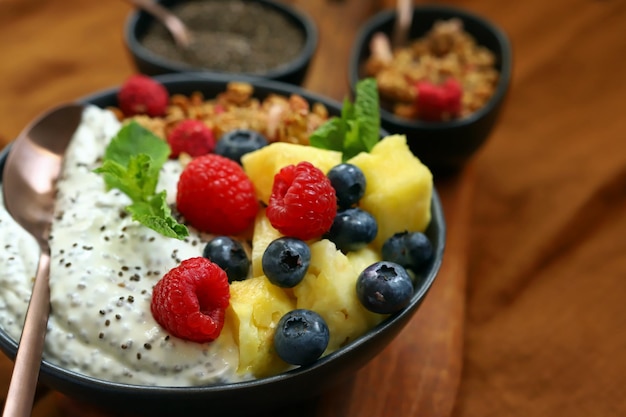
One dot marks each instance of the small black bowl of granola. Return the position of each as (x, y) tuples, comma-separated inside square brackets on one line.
[(444, 87), (260, 38)]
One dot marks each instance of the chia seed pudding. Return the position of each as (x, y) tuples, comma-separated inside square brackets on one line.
[(103, 268), (229, 36)]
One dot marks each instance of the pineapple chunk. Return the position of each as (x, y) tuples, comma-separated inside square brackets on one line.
[(264, 234), (329, 289), (399, 188), (363, 258), (256, 306), (262, 165)]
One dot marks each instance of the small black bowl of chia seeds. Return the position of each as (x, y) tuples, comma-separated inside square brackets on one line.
[(260, 38)]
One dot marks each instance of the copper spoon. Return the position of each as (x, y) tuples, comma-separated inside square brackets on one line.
[(28, 182), (404, 16), (179, 31)]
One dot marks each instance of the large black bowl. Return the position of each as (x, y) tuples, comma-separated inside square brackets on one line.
[(443, 146), (251, 397), (149, 63)]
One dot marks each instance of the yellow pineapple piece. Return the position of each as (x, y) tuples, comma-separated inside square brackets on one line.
[(399, 188), (264, 234), (363, 258), (329, 289), (256, 306), (262, 165)]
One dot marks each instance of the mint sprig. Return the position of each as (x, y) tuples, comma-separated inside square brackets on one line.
[(358, 128), (132, 163)]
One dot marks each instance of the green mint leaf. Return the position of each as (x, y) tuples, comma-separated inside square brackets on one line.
[(367, 113), (352, 144), (358, 128), (134, 139), (329, 135), (156, 214), (134, 179), (132, 163)]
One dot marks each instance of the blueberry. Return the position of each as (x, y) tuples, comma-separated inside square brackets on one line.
[(285, 261), (229, 255), (384, 287), (301, 337), (352, 229), (349, 183), (236, 143), (412, 250)]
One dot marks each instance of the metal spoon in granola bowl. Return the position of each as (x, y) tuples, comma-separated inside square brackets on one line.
[(179, 31), (28, 183)]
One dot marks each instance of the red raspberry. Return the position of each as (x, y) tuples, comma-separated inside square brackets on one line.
[(192, 137), (190, 301), (303, 203), (216, 196), (142, 95), (439, 102)]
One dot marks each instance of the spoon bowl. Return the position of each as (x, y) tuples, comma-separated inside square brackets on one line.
[(29, 176)]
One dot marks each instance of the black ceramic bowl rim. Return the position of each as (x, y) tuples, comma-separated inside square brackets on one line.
[(503, 81), (388, 328), (284, 70)]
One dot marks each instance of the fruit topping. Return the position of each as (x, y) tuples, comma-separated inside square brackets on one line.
[(191, 299), (216, 196), (236, 143), (301, 337), (286, 261), (384, 287), (358, 128), (437, 102), (256, 305), (192, 137), (263, 165), (230, 255), (140, 94), (352, 229), (349, 183), (412, 250), (303, 202), (399, 188)]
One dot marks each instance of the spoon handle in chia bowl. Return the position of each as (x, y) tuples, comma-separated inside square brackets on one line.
[(21, 394), (29, 177)]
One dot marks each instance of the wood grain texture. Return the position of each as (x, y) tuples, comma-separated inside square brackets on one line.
[(539, 230)]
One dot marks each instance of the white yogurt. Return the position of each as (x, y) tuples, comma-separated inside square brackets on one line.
[(103, 268)]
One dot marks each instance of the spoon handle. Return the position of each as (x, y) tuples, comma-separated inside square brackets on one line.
[(177, 28), (21, 394), (402, 26)]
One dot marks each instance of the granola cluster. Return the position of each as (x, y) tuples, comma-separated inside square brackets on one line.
[(279, 118), (446, 51)]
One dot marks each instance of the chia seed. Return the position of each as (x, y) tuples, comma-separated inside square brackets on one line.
[(229, 36)]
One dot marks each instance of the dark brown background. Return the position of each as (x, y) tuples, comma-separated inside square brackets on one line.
[(528, 315)]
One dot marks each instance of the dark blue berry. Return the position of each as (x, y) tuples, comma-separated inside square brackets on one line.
[(412, 250), (349, 183), (229, 255), (285, 261), (384, 287), (238, 142), (301, 337), (352, 229)]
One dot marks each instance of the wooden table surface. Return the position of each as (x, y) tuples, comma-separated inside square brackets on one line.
[(526, 317)]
